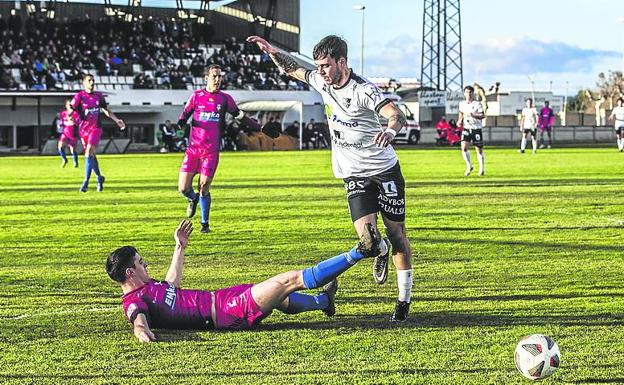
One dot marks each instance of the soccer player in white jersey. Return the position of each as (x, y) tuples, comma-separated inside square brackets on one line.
[(618, 115), (361, 153), (471, 120), (528, 126)]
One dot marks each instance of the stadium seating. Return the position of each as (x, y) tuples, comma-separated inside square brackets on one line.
[(53, 56)]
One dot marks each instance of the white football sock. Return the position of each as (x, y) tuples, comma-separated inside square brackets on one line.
[(481, 159), (466, 156), (523, 143), (534, 143), (405, 282)]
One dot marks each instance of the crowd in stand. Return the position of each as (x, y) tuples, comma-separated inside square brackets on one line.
[(50, 52)]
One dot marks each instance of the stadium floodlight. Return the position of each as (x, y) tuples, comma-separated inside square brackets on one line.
[(361, 8)]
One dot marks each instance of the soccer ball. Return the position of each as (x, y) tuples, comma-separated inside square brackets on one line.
[(537, 356)]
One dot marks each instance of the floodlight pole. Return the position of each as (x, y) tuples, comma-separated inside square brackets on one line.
[(361, 8), (621, 21)]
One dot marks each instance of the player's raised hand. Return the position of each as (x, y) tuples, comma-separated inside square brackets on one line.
[(262, 44), (183, 232), (384, 138)]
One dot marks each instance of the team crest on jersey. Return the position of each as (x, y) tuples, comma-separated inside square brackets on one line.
[(131, 309), (218, 107), (347, 102)]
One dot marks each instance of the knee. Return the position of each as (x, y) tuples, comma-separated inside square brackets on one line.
[(204, 188), (398, 240), (291, 280)]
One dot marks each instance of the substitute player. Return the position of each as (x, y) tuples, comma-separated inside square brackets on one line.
[(546, 123), (617, 115), (207, 107), (470, 118), (90, 104), (361, 152), (69, 121), (148, 303), (528, 126)]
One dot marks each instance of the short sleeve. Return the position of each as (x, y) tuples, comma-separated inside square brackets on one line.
[(232, 108), (314, 80), (133, 308), (372, 98), (103, 103), (75, 102)]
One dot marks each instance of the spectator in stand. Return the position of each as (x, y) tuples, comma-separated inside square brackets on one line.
[(310, 135), (293, 129)]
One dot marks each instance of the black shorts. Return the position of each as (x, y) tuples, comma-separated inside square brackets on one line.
[(533, 132), (475, 136), (619, 130), (383, 193)]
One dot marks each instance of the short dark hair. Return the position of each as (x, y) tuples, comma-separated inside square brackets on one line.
[(332, 46), (120, 260), (530, 100), (87, 75), (469, 88), (210, 68)]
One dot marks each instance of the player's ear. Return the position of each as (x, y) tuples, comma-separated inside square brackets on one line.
[(129, 272)]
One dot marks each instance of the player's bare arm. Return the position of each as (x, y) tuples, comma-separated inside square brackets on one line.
[(396, 121), (142, 330), (120, 123), (181, 236), (281, 59)]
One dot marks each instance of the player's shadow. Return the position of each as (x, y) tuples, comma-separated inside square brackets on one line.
[(165, 335)]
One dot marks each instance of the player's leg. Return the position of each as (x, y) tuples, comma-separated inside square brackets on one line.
[(465, 148), (525, 137), (274, 292), (480, 158), (89, 150), (189, 168), (549, 132), (391, 196), (74, 153), (541, 140), (61, 152), (402, 259), (534, 140), (209, 165), (363, 206), (620, 138)]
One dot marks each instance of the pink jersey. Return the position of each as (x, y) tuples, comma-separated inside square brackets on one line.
[(169, 307), (546, 117), (208, 111), (88, 105), (69, 122)]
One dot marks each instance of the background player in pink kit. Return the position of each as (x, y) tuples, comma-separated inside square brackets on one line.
[(207, 107), (69, 121), (546, 123), (89, 104), (150, 304)]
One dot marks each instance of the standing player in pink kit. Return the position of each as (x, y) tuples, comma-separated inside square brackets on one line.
[(207, 107), (89, 104), (546, 123), (69, 121), (149, 304)]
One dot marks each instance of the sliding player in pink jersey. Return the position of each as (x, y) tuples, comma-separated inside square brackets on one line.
[(69, 121), (89, 104), (207, 107), (148, 303)]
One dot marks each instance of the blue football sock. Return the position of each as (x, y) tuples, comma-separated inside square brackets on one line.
[(75, 158), (95, 165), (190, 194), (88, 167), (62, 154), (298, 302), (204, 204), (329, 269)]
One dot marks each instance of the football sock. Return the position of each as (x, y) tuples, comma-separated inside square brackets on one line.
[(523, 143), (329, 269), (466, 156), (190, 194), (75, 158), (481, 160), (95, 165), (298, 302), (619, 142), (405, 283), (534, 143), (204, 204), (62, 154), (88, 167)]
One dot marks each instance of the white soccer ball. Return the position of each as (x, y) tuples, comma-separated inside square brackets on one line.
[(537, 356)]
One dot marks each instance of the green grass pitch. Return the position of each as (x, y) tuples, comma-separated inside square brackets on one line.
[(535, 246)]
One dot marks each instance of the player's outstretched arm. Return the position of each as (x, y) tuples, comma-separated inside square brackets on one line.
[(396, 121), (120, 123), (281, 59), (142, 330), (181, 236)]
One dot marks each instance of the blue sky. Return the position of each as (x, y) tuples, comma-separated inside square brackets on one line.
[(503, 40)]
